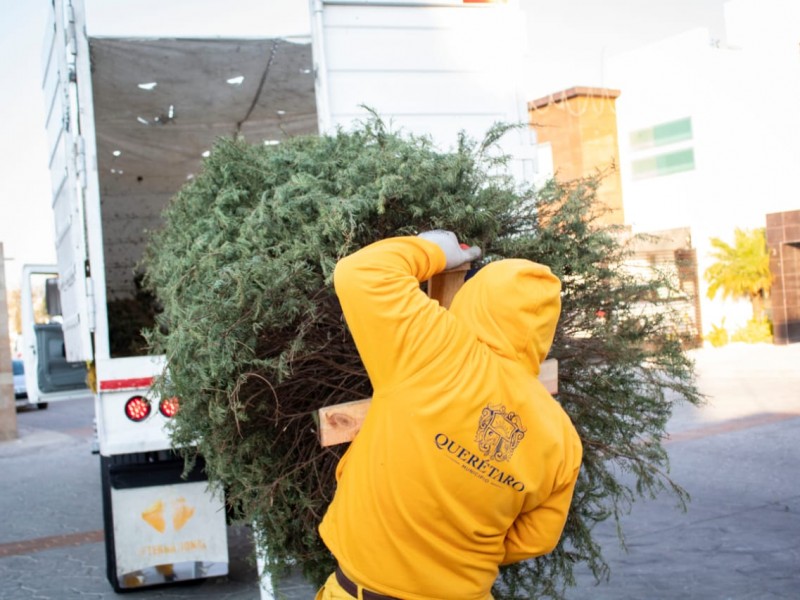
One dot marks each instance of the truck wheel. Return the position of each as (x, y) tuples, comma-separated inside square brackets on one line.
[(41, 405)]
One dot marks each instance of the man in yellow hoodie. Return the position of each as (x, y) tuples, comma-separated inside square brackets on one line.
[(464, 462)]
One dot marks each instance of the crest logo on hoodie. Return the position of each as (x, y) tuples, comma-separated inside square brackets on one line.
[(499, 432)]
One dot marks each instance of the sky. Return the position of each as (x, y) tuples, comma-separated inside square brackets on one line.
[(26, 225), (568, 41)]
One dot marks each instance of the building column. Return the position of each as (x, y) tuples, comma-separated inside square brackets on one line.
[(580, 125), (8, 406)]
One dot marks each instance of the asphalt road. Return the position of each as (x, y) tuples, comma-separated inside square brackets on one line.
[(72, 417)]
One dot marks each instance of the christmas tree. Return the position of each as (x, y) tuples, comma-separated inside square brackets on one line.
[(256, 343)]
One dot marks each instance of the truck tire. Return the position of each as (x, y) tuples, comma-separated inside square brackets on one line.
[(41, 405)]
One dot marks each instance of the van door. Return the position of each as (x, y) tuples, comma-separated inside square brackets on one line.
[(54, 372)]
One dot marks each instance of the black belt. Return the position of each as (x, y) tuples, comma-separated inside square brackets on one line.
[(352, 588)]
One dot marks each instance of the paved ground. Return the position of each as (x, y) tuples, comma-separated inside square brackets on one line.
[(738, 457), (740, 460)]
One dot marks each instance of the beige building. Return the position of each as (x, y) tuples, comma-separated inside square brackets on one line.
[(576, 131), (580, 127)]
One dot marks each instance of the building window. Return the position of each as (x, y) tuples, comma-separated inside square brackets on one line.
[(663, 134), (663, 149), (663, 164)]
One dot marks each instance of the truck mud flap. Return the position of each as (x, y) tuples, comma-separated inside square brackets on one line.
[(161, 527)]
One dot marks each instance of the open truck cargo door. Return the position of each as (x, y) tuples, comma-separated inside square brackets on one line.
[(68, 175)]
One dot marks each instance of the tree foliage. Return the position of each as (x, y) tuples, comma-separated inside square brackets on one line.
[(256, 343), (741, 270)]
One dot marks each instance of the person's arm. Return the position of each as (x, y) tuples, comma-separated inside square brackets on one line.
[(396, 327), (537, 532)]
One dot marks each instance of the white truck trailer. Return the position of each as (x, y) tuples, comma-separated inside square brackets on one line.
[(130, 116)]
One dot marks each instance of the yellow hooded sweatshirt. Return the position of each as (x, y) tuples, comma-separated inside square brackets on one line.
[(464, 461)]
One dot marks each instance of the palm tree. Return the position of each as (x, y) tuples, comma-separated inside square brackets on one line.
[(741, 270)]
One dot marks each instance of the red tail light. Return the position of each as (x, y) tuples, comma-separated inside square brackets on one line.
[(168, 407), (137, 408)]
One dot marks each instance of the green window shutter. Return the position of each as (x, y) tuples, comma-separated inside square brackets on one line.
[(663, 164), (663, 134)]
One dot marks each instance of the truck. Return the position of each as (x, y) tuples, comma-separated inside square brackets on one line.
[(134, 102)]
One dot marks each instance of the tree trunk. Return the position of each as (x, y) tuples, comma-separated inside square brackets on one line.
[(757, 300)]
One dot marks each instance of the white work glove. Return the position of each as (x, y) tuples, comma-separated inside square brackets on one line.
[(455, 253)]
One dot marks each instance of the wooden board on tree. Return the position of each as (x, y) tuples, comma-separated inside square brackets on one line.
[(339, 423)]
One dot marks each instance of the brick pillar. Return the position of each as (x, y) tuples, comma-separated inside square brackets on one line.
[(581, 126), (8, 406)]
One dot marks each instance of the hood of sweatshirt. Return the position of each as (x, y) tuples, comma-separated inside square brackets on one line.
[(513, 306)]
